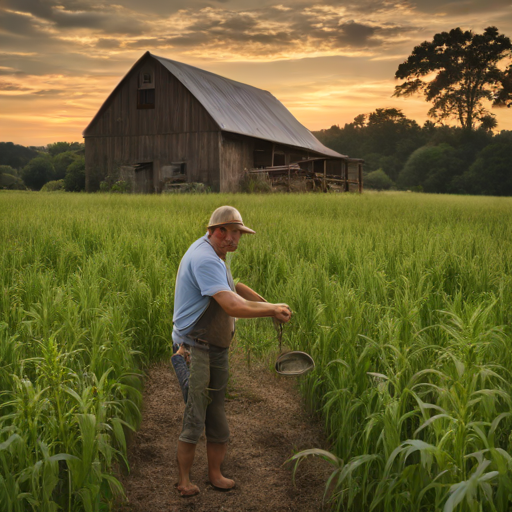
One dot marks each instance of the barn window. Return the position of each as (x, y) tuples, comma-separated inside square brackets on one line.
[(279, 158), (262, 154), (146, 98), (146, 78)]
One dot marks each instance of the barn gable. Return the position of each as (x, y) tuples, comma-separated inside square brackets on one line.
[(175, 109)]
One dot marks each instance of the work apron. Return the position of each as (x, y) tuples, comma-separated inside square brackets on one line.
[(215, 327)]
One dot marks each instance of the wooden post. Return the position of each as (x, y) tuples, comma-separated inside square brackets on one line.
[(360, 177), (273, 147), (289, 187), (325, 176), (347, 186)]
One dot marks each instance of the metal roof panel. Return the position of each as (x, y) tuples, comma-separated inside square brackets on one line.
[(244, 109)]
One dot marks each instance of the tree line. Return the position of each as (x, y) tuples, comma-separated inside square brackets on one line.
[(400, 154), (57, 166), (460, 74)]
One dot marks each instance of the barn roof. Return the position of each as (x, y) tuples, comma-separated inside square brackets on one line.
[(244, 109), (240, 108)]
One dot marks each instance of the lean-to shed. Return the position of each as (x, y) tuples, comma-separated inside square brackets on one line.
[(167, 120)]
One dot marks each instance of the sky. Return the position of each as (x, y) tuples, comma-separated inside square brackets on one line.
[(326, 61)]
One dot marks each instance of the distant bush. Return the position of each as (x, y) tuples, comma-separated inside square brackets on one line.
[(252, 184), (119, 186), (74, 181), (491, 173), (38, 172), (189, 188), (61, 162), (53, 186), (431, 168), (378, 180), (11, 182), (7, 169)]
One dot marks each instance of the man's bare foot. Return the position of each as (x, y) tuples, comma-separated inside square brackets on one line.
[(188, 490), (222, 483)]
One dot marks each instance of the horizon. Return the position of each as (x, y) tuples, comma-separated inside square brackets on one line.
[(327, 63)]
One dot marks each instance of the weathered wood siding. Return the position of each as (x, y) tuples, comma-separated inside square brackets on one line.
[(236, 157), (200, 151), (178, 129)]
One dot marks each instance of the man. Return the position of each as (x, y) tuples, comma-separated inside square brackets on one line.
[(206, 302)]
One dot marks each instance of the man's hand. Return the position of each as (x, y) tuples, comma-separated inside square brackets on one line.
[(238, 307), (283, 313)]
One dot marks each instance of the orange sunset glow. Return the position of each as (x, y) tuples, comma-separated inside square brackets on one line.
[(326, 62)]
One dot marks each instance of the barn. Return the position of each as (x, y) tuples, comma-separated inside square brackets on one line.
[(169, 122)]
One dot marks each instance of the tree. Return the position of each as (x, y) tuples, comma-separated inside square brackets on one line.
[(61, 162), (15, 155), (432, 168), (466, 74), (378, 180), (61, 147), (9, 180), (38, 172), (491, 173), (75, 176)]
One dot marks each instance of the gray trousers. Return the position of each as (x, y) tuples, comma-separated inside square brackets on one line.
[(208, 380)]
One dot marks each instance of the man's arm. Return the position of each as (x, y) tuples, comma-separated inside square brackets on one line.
[(236, 306), (247, 293)]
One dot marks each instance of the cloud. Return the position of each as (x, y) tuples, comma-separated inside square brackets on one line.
[(460, 7), (9, 86), (107, 44), (70, 14), (50, 92)]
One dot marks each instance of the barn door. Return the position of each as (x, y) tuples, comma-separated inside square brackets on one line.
[(144, 180)]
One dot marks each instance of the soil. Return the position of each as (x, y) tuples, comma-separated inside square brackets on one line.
[(268, 424)]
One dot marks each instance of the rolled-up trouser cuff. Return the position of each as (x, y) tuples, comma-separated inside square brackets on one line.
[(208, 380)]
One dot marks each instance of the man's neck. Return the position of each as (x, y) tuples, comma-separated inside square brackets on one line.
[(219, 254)]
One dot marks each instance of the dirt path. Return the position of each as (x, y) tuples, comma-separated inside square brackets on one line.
[(267, 423)]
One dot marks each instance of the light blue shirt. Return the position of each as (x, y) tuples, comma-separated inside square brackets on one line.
[(201, 275)]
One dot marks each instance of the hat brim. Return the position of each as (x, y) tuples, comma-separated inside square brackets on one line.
[(241, 227)]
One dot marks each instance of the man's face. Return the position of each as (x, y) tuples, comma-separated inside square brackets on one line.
[(225, 239)]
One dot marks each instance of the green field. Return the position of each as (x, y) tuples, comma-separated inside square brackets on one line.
[(404, 301)]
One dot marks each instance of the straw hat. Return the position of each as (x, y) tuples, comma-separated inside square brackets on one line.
[(228, 215)]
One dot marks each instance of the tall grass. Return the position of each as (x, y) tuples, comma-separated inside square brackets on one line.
[(404, 301)]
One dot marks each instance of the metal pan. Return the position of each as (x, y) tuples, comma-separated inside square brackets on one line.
[(292, 363)]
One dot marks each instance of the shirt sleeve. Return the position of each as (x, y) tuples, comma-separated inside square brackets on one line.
[(210, 274)]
